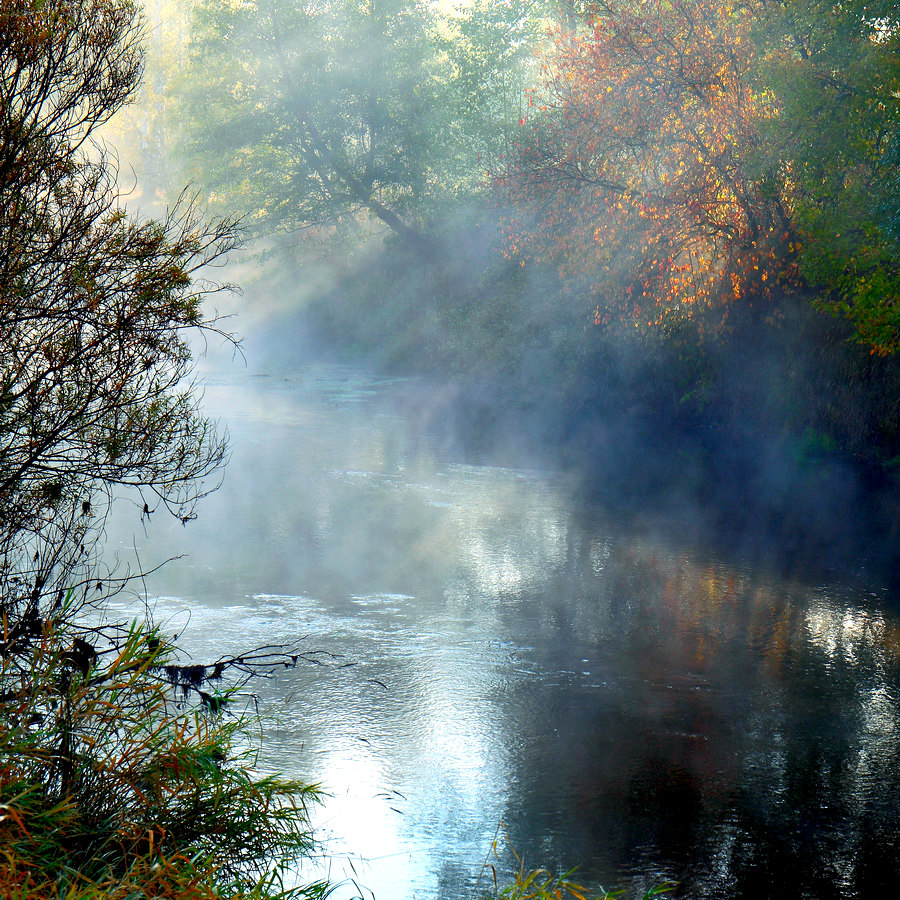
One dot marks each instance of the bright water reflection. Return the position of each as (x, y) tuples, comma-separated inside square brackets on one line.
[(620, 700)]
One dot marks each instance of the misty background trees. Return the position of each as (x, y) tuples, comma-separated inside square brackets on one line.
[(679, 217)]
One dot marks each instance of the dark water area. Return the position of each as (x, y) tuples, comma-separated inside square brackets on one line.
[(771, 499), (623, 687)]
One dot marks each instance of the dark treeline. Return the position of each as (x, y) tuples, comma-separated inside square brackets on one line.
[(776, 439), (657, 243)]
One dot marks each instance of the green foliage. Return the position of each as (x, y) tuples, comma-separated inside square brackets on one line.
[(337, 119), (540, 884), (310, 115), (834, 70), (143, 131), (110, 783), (483, 63)]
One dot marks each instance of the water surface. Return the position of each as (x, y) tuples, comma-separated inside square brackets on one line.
[(614, 696)]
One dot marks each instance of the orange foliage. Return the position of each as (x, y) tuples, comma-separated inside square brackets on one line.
[(635, 173)]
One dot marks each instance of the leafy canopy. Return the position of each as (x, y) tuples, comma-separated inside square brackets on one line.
[(690, 155), (343, 117), (835, 143), (633, 174), (310, 114)]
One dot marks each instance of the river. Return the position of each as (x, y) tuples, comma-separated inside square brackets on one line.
[(509, 662)]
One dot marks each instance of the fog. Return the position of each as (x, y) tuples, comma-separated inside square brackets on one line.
[(606, 685), (628, 592)]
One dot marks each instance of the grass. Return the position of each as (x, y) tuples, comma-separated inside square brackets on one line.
[(113, 785), (541, 884)]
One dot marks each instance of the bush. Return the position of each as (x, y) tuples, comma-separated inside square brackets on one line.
[(113, 783), (121, 774)]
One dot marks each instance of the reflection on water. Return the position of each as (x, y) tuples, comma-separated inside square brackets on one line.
[(621, 701)]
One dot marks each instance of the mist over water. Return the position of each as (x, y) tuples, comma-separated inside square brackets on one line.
[(620, 696), (603, 567)]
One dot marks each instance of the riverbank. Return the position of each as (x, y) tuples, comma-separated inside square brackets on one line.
[(778, 436)]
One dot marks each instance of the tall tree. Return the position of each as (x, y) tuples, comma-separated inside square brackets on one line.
[(354, 113), (143, 131), (635, 171), (685, 154), (307, 114), (94, 306), (108, 784), (484, 62)]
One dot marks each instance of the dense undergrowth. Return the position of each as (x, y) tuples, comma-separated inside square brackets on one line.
[(115, 783)]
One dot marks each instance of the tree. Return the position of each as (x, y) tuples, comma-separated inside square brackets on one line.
[(94, 306), (312, 115), (834, 69), (143, 131), (484, 61), (636, 173), (107, 782), (690, 155), (354, 115)]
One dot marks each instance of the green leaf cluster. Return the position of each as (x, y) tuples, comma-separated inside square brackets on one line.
[(111, 786), (331, 120), (834, 71)]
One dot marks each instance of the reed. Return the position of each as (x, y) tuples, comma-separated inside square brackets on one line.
[(114, 785), (541, 884)]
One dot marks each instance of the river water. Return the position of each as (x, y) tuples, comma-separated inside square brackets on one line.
[(507, 662)]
